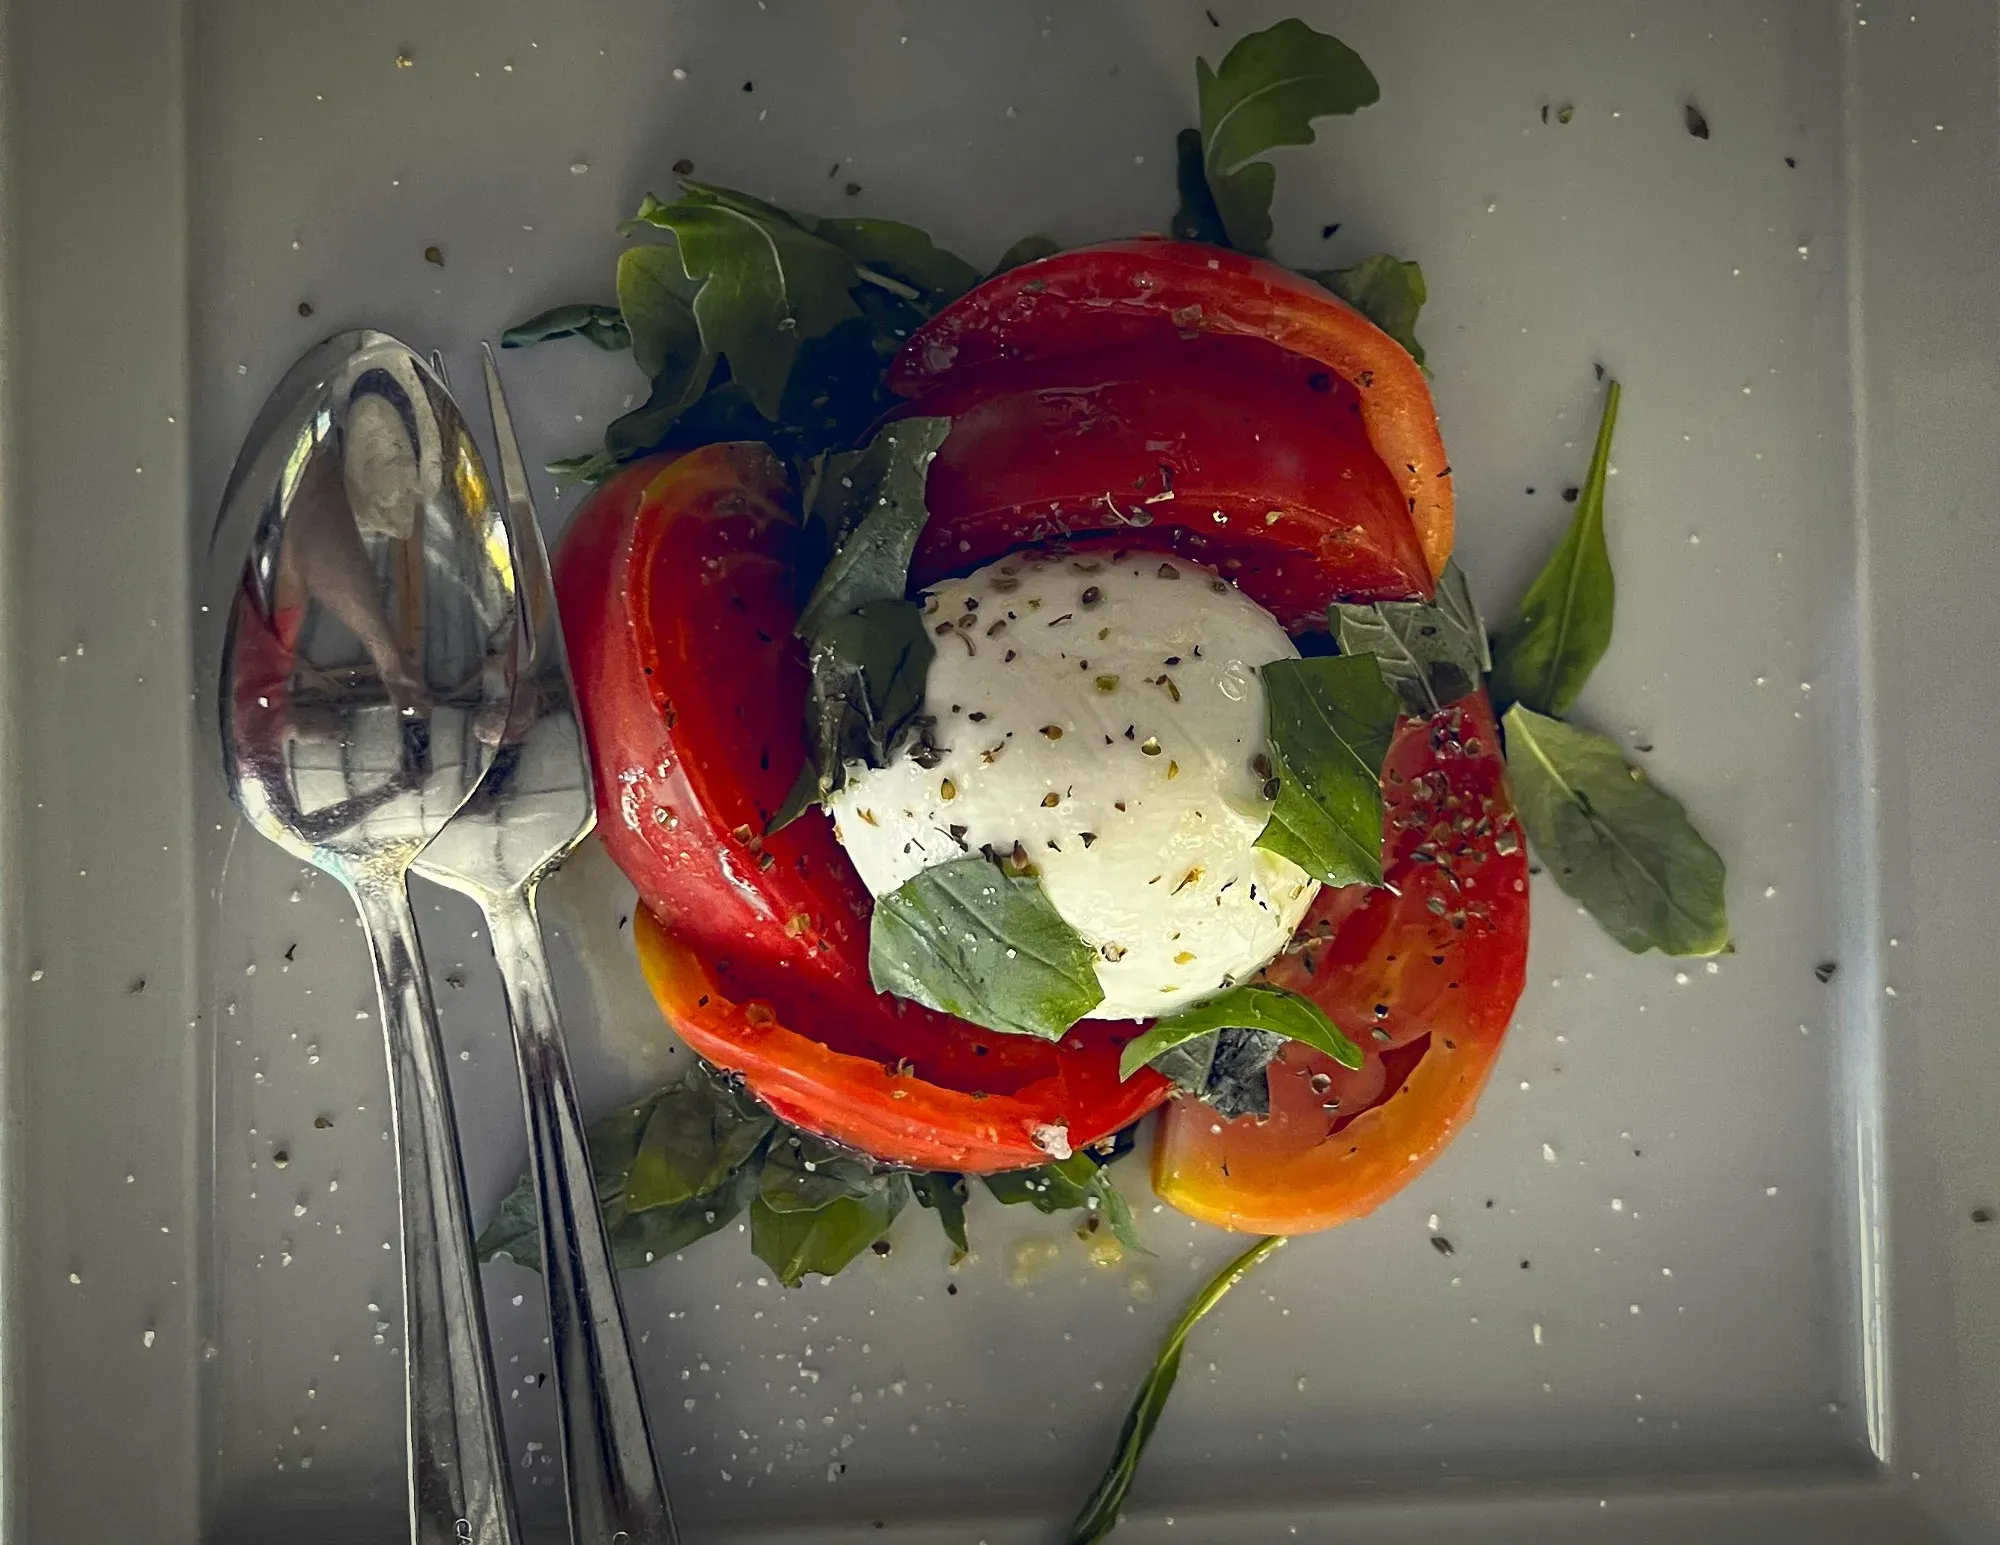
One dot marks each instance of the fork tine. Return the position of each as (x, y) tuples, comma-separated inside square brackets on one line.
[(531, 559), (438, 368), (513, 471)]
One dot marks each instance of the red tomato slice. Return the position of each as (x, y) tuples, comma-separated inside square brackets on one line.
[(1423, 973), (1153, 291), (676, 591), (1226, 450)]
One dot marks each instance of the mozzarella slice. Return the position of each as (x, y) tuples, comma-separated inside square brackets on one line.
[(1102, 721)]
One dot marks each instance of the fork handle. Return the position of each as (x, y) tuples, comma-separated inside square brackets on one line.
[(459, 1492), (616, 1496)]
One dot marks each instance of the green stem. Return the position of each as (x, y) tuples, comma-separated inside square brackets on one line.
[(882, 281), (1100, 1514)]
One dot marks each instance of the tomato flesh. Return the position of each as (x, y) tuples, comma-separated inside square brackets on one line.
[(1225, 450), (1159, 293), (1422, 973)]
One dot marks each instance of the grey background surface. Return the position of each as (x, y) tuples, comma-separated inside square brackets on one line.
[(1744, 1196)]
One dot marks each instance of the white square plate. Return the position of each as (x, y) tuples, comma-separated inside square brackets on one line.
[(1714, 1273)]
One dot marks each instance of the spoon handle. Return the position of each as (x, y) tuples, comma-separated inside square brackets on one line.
[(615, 1491), (459, 1492)]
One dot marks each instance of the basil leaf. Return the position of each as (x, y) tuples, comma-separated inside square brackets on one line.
[(1049, 1188), (1546, 652), (943, 1192), (803, 1173), (1266, 93), (1225, 1069), (602, 325), (515, 1231), (1197, 219), (817, 1208), (865, 699), (1329, 723), (1253, 1006), (889, 249), (1431, 652), (656, 299), (969, 939), (641, 1238), (636, 1237), (867, 647), (872, 503), (767, 282), (1100, 1512), (1612, 841), (1239, 1079), (699, 1132), (1029, 249), (1386, 290), (825, 1240), (1078, 1183)]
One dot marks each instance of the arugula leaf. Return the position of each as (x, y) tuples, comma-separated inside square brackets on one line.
[(594, 467), (1431, 652), (1253, 1006), (1079, 1183), (969, 939), (656, 300), (1028, 249), (1100, 1512), (700, 1131), (1612, 841), (1197, 219), (818, 1207), (943, 1192), (768, 283), (1547, 650), (1329, 723), (872, 502), (601, 325), (1386, 290), (1266, 93), (888, 249)]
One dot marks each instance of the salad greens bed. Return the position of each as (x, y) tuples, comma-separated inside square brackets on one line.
[(756, 322)]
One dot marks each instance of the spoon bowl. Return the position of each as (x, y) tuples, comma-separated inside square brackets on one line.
[(371, 641)]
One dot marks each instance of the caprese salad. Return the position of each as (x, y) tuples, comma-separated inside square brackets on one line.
[(1025, 700)]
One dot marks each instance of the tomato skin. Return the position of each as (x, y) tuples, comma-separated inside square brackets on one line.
[(1224, 450), (676, 591), (879, 1107), (1404, 980), (1155, 291)]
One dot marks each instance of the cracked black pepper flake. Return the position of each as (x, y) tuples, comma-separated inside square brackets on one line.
[(1982, 1215), (1697, 124), (434, 255), (305, 308), (1825, 969), (1440, 1244), (684, 167)]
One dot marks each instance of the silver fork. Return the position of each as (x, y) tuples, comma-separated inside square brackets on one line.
[(528, 814)]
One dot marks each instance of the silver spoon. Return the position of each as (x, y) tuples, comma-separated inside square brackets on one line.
[(366, 677), (534, 807)]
